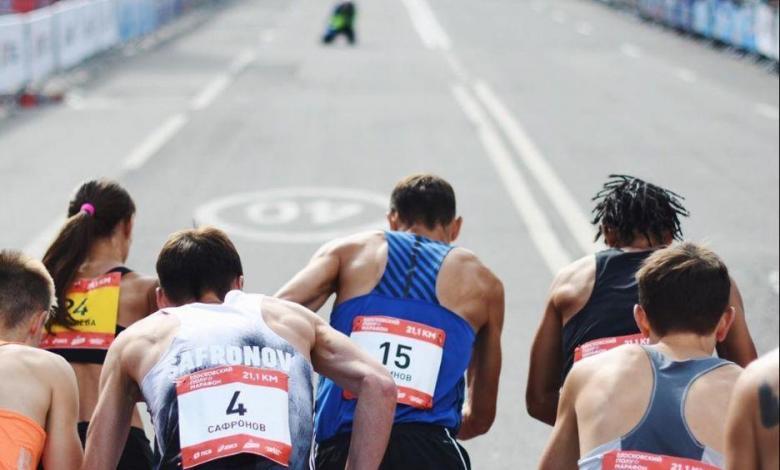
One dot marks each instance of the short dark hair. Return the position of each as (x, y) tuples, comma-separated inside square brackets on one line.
[(425, 199), (26, 289), (633, 206), (684, 289), (196, 261)]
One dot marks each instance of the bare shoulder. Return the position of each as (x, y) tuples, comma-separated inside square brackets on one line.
[(290, 318), (43, 363), (764, 371), (468, 265), (353, 243), (139, 282), (574, 278)]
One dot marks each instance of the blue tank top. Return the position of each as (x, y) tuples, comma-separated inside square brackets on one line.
[(664, 430), (405, 298), (610, 310)]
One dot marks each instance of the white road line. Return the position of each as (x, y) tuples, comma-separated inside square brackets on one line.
[(427, 25), (541, 231), (631, 50), (210, 92), (155, 141), (774, 281), (37, 247), (457, 67), (564, 202), (768, 111), (686, 75), (584, 28), (243, 61)]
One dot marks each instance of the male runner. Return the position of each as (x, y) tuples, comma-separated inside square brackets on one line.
[(429, 311), (591, 302), (39, 402), (753, 434), (342, 21), (228, 380), (639, 404)]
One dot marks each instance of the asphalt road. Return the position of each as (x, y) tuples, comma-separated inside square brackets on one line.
[(526, 106)]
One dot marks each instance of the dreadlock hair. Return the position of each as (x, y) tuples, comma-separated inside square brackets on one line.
[(630, 205)]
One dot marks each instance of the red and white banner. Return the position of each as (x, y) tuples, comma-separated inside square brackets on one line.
[(599, 346)]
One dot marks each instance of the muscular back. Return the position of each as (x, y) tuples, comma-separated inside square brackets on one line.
[(613, 392), (30, 392)]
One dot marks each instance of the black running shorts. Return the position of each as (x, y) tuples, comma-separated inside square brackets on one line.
[(138, 451), (412, 447)]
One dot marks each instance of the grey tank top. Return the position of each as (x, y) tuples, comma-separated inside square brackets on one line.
[(664, 430), (229, 337)]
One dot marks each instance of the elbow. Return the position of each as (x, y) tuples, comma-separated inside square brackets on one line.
[(481, 425), (539, 409), (380, 384)]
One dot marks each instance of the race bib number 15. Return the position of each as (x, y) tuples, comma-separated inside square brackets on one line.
[(412, 352), (233, 410), (627, 460), (94, 306)]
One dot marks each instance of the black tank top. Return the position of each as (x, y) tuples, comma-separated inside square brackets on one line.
[(610, 309), (91, 356)]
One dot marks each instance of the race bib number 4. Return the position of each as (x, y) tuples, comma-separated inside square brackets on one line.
[(412, 352), (620, 460), (594, 348), (233, 410), (94, 305)]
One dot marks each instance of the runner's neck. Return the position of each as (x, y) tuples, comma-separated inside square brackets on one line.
[(105, 254), (686, 346), (439, 234)]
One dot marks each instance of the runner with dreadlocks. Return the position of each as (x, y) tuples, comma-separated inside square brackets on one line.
[(590, 308)]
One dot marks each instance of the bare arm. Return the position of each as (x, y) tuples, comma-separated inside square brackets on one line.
[(484, 371), (546, 368), (110, 423), (563, 450), (316, 282), (63, 446), (337, 358), (741, 439), (738, 346)]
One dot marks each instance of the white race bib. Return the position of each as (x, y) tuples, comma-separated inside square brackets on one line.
[(412, 352), (230, 410)]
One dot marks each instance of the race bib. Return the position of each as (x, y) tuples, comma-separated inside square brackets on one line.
[(94, 305), (412, 352), (594, 348), (626, 460), (233, 410)]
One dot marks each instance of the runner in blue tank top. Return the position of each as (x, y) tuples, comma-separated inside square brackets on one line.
[(590, 307), (427, 310), (658, 406), (227, 376)]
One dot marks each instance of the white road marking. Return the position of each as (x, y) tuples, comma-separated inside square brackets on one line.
[(541, 231), (37, 247), (584, 28), (562, 199), (774, 281), (687, 75), (242, 61), (155, 141), (457, 67), (427, 25), (268, 36), (768, 111), (631, 50), (211, 92)]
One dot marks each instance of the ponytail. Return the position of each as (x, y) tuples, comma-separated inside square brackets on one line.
[(93, 213)]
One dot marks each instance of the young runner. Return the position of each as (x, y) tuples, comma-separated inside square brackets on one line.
[(427, 310), (753, 435), (591, 302), (39, 405), (342, 22), (655, 407), (98, 296), (228, 379)]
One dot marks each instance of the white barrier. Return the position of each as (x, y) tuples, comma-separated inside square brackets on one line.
[(12, 69), (39, 49)]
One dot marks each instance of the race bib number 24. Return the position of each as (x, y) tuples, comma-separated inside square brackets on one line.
[(233, 410), (411, 352)]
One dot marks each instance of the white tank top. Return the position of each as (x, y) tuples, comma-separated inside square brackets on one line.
[(230, 390)]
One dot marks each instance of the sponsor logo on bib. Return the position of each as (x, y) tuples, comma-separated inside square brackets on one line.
[(599, 346), (94, 305), (627, 460), (411, 352), (231, 410)]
